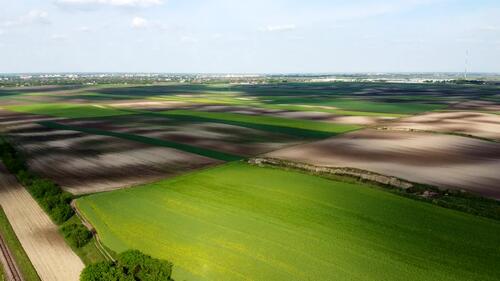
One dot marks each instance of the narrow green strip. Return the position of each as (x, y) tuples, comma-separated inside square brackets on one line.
[(152, 141), (20, 256)]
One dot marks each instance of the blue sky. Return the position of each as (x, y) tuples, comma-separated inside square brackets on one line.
[(259, 36)]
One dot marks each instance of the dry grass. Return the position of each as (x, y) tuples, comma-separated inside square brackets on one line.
[(51, 256), (443, 160)]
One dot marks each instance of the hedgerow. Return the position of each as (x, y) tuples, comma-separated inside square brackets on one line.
[(55, 201), (130, 265)]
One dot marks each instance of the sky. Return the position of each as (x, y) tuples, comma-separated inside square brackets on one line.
[(258, 36)]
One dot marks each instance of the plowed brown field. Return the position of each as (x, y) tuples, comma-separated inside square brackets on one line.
[(83, 163), (470, 123), (446, 161)]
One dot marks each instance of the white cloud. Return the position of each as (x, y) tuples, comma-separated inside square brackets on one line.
[(32, 17), (84, 29), (142, 23), (114, 3), (279, 28), (138, 22), (189, 39), (58, 37)]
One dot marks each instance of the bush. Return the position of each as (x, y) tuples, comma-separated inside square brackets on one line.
[(41, 188), (103, 271), (50, 196), (76, 234), (131, 265), (61, 213), (25, 177)]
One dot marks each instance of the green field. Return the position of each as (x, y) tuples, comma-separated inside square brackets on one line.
[(242, 222), (362, 105), (302, 128), (68, 110)]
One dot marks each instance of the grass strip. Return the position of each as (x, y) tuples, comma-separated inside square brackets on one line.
[(68, 110), (22, 260), (152, 141)]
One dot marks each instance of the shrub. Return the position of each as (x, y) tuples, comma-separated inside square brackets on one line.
[(103, 271), (131, 265), (61, 213), (25, 177), (76, 234), (41, 188)]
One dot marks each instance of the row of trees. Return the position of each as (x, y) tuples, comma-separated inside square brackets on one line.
[(49, 195), (130, 266)]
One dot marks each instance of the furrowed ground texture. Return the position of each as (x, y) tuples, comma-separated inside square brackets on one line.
[(302, 128), (242, 222)]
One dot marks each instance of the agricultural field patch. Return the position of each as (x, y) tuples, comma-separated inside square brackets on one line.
[(52, 258), (68, 110), (446, 161), (284, 225), (476, 124), (211, 136), (85, 163), (301, 128)]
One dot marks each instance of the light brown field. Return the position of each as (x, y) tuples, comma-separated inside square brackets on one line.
[(480, 105), (445, 161), (306, 115), (52, 258), (470, 123), (83, 163)]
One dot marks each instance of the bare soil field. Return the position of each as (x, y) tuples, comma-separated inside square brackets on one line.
[(307, 115), (52, 258), (217, 136), (470, 123), (12, 120), (480, 105), (446, 161), (148, 105), (83, 163)]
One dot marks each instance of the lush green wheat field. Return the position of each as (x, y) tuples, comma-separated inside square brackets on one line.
[(68, 110), (241, 222)]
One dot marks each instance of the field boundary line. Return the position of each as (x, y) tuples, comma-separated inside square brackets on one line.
[(92, 229), (354, 173)]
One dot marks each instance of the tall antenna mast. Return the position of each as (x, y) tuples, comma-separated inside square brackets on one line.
[(466, 63)]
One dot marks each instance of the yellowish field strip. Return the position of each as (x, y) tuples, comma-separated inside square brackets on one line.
[(51, 256)]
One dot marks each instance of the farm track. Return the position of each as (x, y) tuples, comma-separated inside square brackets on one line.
[(10, 266)]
